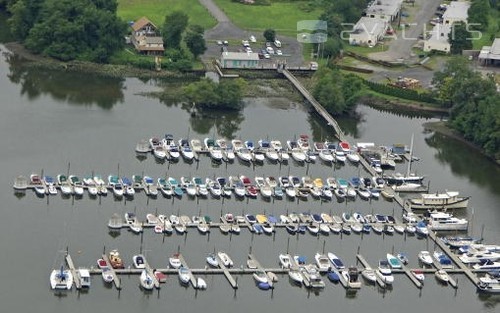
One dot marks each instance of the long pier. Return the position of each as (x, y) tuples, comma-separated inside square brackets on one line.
[(258, 266), (116, 279), (151, 274), (366, 265), (192, 279), (76, 275), (316, 105), (233, 282)]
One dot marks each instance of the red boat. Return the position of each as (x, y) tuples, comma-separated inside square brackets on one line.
[(162, 278), (101, 263), (344, 145)]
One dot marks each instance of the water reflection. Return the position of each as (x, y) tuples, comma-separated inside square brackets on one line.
[(69, 87), (460, 157), (226, 123)]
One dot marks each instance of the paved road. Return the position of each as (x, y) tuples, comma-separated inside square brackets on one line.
[(226, 30), (400, 48)]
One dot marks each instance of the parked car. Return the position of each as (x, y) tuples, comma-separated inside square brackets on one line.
[(245, 43), (219, 42), (252, 38), (268, 44), (270, 50), (225, 43), (278, 52), (277, 43)]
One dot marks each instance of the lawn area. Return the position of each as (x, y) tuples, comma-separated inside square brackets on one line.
[(281, 16), (156, 10), (492, 31)]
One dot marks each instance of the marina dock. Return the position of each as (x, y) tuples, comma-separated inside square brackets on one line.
[(76, 275), (116, 279), (365, 264), (192, 279), (258, 266), (233, 282), (151, 274)]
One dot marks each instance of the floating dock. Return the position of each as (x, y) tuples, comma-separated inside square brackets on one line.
[(151, 274), (192, 279), (229, 277), (116, 279), (76, 275), (365, 264), (258, 266)]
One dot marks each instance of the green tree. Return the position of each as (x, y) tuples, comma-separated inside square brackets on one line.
[(173, 27), (459, 38), (231, 93), (478, 14), (270, 34), (194, 40), (24, 15), (84, 31), (331, 48)]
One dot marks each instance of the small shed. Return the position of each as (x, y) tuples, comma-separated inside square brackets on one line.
[(490, 55), (239, 60)]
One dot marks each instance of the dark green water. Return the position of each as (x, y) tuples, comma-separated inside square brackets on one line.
[(50, 121)]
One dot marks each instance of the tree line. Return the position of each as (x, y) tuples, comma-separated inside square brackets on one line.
[(90, 30)]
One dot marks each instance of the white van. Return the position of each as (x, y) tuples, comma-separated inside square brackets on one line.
[(313, 66), (277, 43)]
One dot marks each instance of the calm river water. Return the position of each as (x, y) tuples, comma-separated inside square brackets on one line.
[(52, 121)]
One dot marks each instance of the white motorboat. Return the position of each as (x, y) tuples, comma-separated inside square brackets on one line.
[(185, 149), (201, 283), (52, 190), (184, 275), (441, 221), (352, 156), (421, 229), (298, 155), (322, 261), (175, 261), (106, 274), (489, 284), (295, 276), (351, 277), (92, 188), (61, 279), (285, 260), (84, 276), (146, 281), (159, 152), (340, 156), (215, 153), (442, 276), (65, 186), (212, 260), (384, 272), (77, 185), (260, 277), (336, 261), (438, 201), (214, 188), (393, 261), (487, 264), (410, 229), (425, 257), (410, 217), (369, 274), (196, 145), (419, 274), (138, 261), (311, 277), (225, 259)]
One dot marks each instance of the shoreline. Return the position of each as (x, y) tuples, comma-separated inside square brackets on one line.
[(441, 128)]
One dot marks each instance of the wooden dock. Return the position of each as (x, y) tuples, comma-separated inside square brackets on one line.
[(192, 279), (76, 275), (258, 266), (151, 274), (412, 277), (226, 272), (365, 264), (116, 279), (316, 105)]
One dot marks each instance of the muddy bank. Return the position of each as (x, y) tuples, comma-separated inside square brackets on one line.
[(441, 128), (108, 70)]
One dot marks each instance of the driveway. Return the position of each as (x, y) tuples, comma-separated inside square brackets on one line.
[(400, 48), (226, 30)]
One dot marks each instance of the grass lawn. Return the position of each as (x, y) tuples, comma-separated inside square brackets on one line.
[(362, 50), (486, 38), (156, 10), (280, 16)]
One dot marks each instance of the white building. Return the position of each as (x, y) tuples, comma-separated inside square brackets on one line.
[(456, 12), (386, 10), (438, 40), (239, 60), (490, 55), (368, 31)]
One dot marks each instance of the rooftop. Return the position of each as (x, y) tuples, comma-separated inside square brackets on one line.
[(491, 52), (384, 7), (457, 10), (440, 33), (370, 25), (242, 56)]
